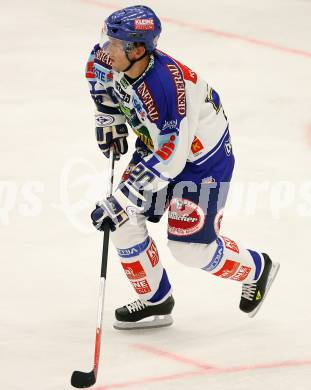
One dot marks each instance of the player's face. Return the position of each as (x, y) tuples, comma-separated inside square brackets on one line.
[(117, 55)]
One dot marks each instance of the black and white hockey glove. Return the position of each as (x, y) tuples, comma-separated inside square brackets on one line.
[(109, 131), (109, 211)]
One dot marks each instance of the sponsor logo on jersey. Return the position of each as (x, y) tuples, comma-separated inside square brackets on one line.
[(110, 76), (134, 270), (147, 98), (218, 220), (170, 127), (134, 250), (188, 74), (128, 252), (144, 24), (229, 269), (184, 217), (103, 58), (218, 255), (167, 149), (124, 82), (101, 75), (230, 244), (180, 88), (139, 108), (141, 286), (153, 254), (241, 274), (196, 146), (123, 95), (89, 70)]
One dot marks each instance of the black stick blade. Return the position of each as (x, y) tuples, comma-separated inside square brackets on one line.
[(82, 380)]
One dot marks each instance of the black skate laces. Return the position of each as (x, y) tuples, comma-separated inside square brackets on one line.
[(248, 290), (136, 306)]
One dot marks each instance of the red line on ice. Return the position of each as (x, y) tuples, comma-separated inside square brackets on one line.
[(204, 368), (224, 34), (145, 381), (172, 356), (213, 369)]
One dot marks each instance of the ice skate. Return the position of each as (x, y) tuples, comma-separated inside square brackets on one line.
[(138, 315), (254, 294)]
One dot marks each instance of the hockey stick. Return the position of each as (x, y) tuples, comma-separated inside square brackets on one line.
[(81, 379)]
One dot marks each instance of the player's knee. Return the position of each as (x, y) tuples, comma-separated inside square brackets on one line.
[(192, 254), (129, 234)]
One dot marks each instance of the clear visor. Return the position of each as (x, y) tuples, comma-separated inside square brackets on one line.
[(113, 43)]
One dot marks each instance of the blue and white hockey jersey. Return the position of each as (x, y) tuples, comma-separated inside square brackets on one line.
[(178, 118)]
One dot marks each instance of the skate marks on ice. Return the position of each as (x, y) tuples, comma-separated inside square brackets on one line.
[(200, 368)]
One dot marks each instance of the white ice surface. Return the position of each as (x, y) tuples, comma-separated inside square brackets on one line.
[(52, 173)]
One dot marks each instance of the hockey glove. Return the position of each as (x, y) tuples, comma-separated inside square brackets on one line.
[(108, 211), (114, 134)]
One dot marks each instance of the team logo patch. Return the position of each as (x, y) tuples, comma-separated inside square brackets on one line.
[(229, 269), (141, 286), (153, 254), (230, 244), (104, 120), (134, 270), (184, 217), (144, 24), (241, 274)]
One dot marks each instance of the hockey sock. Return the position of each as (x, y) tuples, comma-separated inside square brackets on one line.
[(145, 271), (233, 261), (223, 258)]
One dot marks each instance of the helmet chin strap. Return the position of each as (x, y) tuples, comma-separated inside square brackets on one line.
[(132, 62)]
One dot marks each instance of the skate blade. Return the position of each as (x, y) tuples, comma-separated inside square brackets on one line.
[(154, 322), (272, 275)]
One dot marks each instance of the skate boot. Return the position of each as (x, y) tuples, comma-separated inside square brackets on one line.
[(253, 294), (138, 315)]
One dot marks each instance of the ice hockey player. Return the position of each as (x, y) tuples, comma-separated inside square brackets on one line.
[(183, 162)]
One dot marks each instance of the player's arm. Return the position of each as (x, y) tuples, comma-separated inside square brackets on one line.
[(155, 171), (110, 128), (150, 175)]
